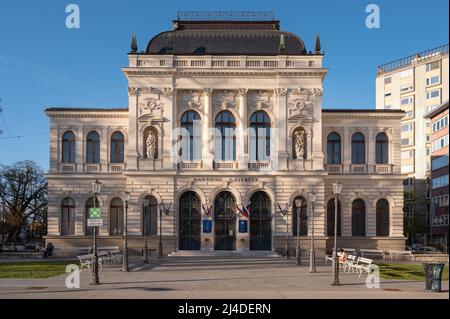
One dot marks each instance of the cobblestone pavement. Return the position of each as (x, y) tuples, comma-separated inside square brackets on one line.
[(217, 278)]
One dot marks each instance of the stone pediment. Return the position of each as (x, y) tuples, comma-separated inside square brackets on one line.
[(301, 118), (151, 118)]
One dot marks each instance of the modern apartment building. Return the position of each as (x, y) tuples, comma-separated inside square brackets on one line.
[(439, 175), (417, 84)]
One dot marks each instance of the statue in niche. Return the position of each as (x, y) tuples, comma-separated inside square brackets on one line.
[(299, 136), (151, 145)]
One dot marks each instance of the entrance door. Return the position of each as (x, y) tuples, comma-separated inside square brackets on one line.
[(260, 222), (225, 222), (189, 226)]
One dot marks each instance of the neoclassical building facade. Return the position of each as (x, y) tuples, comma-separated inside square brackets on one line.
[(225, 133)]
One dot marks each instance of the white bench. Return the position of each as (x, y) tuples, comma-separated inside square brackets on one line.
[(363, 265), (350, 263), (330, 257), (404, 253), (378, 254), (350, 251), (85, 261)]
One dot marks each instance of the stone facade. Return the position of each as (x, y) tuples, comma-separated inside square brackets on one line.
[(286, 89)]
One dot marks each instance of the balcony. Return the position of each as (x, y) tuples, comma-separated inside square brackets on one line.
[(67, 168), (335, 168), (383, 168), (256, 166), (358, 168), (92, 168), (194, 165), (225, 165), (117, 167)]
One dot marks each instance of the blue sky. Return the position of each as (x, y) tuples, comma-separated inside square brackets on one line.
[(42, 63)]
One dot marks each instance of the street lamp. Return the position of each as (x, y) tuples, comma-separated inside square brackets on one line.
[(337, 188), (160, 253), (312, 253), (146, 203), (96, 188), (284, 212), (298, 204), (125, 243)]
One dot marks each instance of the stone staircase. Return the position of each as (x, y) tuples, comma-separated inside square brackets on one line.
[(224, 253)]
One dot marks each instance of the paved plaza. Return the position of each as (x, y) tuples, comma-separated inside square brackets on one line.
[(217, 278)]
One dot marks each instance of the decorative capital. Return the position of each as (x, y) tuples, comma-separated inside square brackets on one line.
[(132, 90), (208, 91), (242, 91), (280, 91), (168, 91), (317, 92)]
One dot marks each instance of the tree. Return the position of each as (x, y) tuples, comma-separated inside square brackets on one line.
[(23, 194)]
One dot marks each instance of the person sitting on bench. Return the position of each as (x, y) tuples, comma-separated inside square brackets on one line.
[(45, 253), (343, 256)]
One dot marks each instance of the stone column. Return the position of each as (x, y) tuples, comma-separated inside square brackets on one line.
[(169, 125), (242, 154), (207, 157), (346, 149), (316, 143), (280, 152), (132, 154), (370, 151), (80, 149)]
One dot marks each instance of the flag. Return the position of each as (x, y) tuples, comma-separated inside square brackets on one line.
[(240, 210), (165, 210), (247, 209), (207, 209), (281, 210)]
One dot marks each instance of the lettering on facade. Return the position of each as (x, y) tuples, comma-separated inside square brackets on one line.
[(231, 179)]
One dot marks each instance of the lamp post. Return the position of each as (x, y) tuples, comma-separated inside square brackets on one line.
[(96, 188), (337, 188), (146, 203), (312, 253), (284, 212), (125, 243), (160, 255), (298, 204)]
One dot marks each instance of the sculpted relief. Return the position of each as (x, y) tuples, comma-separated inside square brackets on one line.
[(191, 99), (260, 100), (223, 100), (300, 102)]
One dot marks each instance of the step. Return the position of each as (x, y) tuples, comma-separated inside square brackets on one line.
[(223, 253)]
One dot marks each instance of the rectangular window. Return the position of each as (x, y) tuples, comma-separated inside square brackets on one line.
[(406, 73), (406, 100), (431, 108), (387, 106), (405, 141), (432, 66), (407, 154), (409, 114), (406, 88), (439, 162), (427, 137), (428, 151), (407, 168), (439, 143), (387, 80), (387, 94), (433, 94), (440, 181), (433, 80), (407, 127), (440, 124)]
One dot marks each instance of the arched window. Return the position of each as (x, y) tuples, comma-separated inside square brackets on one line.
[(189, 221), (150, 143), (116, 217), (358, 218), (334, 148), (260, 222), (89, 204), (225, 139), (330, 218), (117, 147), (150, 216), (259, 136), (303, 208), (382, 217), (68, 147), (67, 217), (93, 147), (382, 149), (299, 144), (190, 137), (358, 149), (224, 221)]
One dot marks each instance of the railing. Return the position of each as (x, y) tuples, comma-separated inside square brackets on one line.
[(225, 165), (218, 63), (358, 168), (68, 168), (334, 168), (92, 168), (116, 168), (383, 168), (233, 64), (259, 165), (189, 165), (198, 63), (419, 57)]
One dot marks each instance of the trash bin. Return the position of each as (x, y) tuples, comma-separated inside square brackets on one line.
[(433, 276)]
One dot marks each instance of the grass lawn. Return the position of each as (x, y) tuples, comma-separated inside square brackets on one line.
[(33, 269), (406, 271)]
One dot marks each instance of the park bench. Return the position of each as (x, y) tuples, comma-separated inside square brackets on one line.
[(350, 251), (330, 257), (350, 263), (375, 253), (403, 253), (85, 261), (363, 265)]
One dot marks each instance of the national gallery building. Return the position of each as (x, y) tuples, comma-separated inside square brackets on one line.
[(225, 145)]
